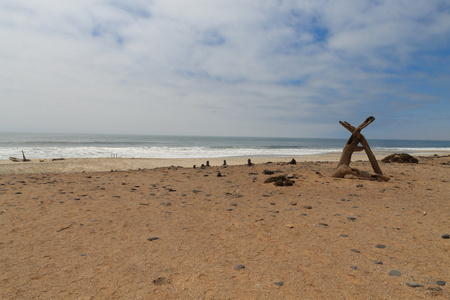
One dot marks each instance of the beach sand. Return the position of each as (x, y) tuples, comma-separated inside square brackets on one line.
[(73, 229)]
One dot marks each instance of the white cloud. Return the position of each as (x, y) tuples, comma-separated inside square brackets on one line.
[(290, 68)]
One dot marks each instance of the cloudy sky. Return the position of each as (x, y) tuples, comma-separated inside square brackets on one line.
[(226, 67)]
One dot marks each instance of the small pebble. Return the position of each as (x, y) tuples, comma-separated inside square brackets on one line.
[(351, 219), (440, 282), (378, 262), (279, 283), (239, 267), (343, 235), (323, 224), (354, 267), (153, 239), (380, 246), (355, 250), (395, 273), (414, 284), (446, 236)]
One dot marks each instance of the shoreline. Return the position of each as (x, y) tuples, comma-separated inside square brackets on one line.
[(108, 164)]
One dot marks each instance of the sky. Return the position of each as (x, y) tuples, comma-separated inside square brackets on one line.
[(226, 67)]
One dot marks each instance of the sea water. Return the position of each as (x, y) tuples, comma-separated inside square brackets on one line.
[(58, 145)]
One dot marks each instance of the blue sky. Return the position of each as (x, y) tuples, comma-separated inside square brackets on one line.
[(233, 68)]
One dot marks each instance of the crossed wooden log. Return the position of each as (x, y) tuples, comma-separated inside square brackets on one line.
[(352, 146)]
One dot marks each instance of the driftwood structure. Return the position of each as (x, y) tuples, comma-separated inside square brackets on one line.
[(353, 145), (18, 159)]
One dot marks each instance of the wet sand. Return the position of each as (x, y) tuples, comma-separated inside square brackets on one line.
[(184, 233)]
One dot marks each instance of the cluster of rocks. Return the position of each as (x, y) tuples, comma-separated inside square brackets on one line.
[(400, 158)]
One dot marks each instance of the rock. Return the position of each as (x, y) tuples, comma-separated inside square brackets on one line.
[(440, 282), (323, 224), (292, 162), (153, 239), (239, 267), (279, 181), (380, 246), (279, 283), (400, 158), (414, 284), (395, 273), (445, 236), (161, 281), (351, 219), (354, 267), (355, 250), (343, 235), (249, 162), (268, 172), (378, 262)]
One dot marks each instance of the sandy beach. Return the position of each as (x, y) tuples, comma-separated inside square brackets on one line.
[(159, 229)]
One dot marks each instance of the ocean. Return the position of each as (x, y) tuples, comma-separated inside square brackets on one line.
[(58, 145)]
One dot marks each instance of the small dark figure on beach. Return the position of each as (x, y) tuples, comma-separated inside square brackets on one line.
[(249, 162), (203, 166), (292, 162), (224, 162), (207, 163)]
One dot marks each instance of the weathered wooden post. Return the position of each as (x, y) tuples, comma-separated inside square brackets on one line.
[(352, 146)]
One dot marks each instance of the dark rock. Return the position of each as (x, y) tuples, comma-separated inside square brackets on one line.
[(354, 267), (219, 174), (440, 282), (395, 273), (355, 250), (378, 262), (161, 281), (292, 162), (343, 235), (249, 162), (351, 219), (445, 236), (414, 284), (380, 246), (153, 239), (400, 158), (239, 267), (323, 224), (268, 172), (279, 283)]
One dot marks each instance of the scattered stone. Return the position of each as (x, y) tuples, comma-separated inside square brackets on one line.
[(239, 267), (323, 224), (378, 262), (292, 162), (354, 267), (446, 236), (351, 219), (414, 284), (380, 246), (161, 281), (153, 239), (359, 186), (343, 235), (355, 250), (290, 226), (395, 273), (440, 282), (229, 209), (219, 174), (268, 172), (279, 283)]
